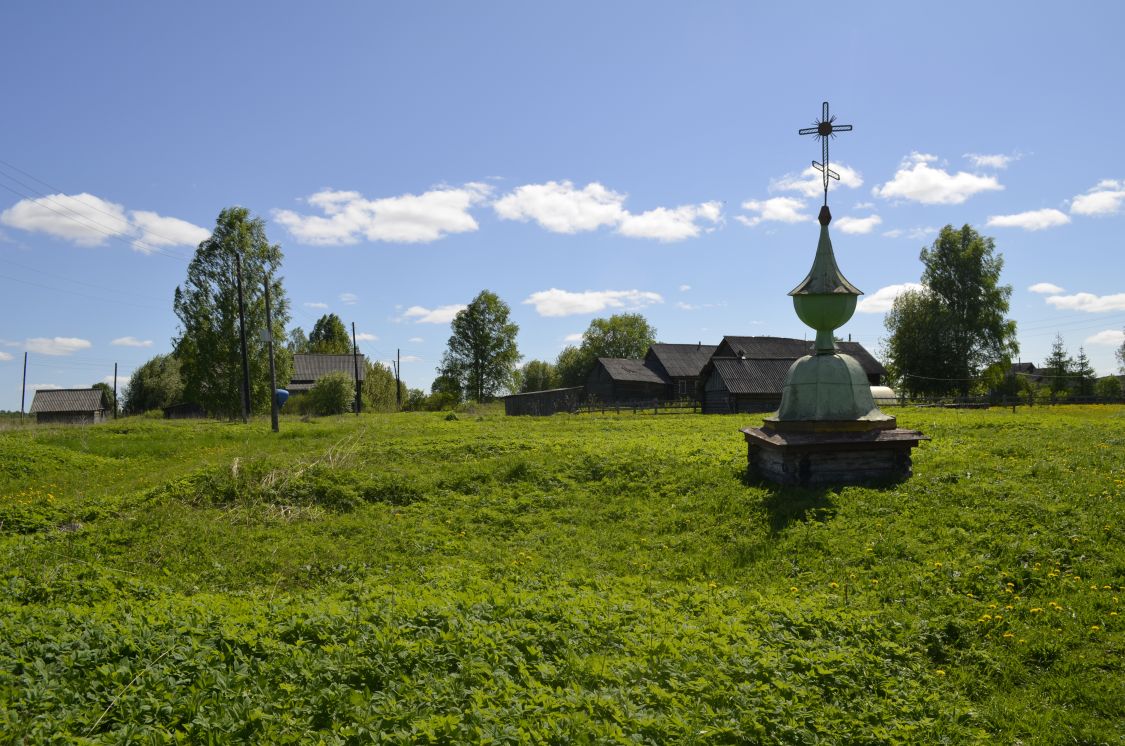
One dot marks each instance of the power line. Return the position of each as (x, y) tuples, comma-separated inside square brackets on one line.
[(76, 293), (63, 191)]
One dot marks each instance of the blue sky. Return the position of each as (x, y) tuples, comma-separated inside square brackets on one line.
[(578, 159)]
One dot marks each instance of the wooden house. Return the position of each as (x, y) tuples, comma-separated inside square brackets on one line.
[(682, 366), (68, 406), (618, 379), (747, 374), (307, 369)]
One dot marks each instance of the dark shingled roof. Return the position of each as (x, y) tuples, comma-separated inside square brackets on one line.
[(751, 376), (784, 348), (67, 400), (308, 368), (682, 360), (626, 369)]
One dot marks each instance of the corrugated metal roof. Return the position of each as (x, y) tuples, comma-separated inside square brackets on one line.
[(752, 376), (626, 369), (784, 348), (683, 360), (67, 400), (308, 368)]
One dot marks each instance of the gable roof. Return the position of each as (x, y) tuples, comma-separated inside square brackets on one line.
[(751, 376), (627, 369), (308, 368), (681, 360), (67, 400), (786, 348)]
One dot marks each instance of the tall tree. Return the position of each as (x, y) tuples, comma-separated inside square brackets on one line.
[(329, 336), (1058, 366), (379, 388), (913, 350), (963, 312), (482, 352), (154, 385), (207, 307), (297, 342), (1084, 374), (621, 335), (1121, 354), (108, 399), (538, 375)]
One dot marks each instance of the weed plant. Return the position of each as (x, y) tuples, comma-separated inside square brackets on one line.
[(418, 578)]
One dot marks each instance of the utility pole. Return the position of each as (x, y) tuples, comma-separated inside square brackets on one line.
[(355, 364), (398, 378), (23, 391), (115, 391), (242, 340), (273, 370)]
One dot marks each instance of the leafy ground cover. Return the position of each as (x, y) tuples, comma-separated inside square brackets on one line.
[(411, 578)]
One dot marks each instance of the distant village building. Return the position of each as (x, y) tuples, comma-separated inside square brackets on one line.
[(620, 379), (307, 369), (682, 366), (543, 403), (68, 406), (747, 374)]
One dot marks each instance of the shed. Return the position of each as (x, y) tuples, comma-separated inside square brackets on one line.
[(682, 365), (619, 379), (68, 406), (543, 403), (307, 369)]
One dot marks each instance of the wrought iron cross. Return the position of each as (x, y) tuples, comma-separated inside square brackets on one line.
[(825, 128)]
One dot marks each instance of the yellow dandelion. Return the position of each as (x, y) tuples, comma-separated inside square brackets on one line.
[(1036, 610), (1007, 635), (937, 565), (793, 588), (939, 672), (1094, 628), (833, 585)]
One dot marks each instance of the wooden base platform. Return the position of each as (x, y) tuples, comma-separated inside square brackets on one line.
[(827, 456)]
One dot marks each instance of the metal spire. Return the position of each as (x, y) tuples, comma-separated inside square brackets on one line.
[(825, 128)]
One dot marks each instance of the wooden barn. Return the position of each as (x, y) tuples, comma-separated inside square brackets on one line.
[(747, 374), (544, 403), (619, 379), (682, 365), (307, 369), (68, 406)]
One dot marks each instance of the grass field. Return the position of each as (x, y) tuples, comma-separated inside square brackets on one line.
[(575, 579)]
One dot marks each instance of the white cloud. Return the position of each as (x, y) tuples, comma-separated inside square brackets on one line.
[(685, 288), (409, 218), (439, 315), (1033, 220), (131, 342), (991, 161), (86, 220), (1109, 337), (366, 337), (572, 338), (122, 379), (411, 359), (859, 225), (348, 299), (779, 209), (810, 182), (882, 299), (918, 181), (1105, 198), (1047, 288), (56, 345), (157, 230), (5, 356), (315, 304), (416, 340), (670, 224), (1088, 302), (864, 206), (560, 207), (43, 386), (555, 302), (914, 234)]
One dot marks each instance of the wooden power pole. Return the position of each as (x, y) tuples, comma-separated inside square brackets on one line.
[(355, 364), (398, 378), (23, 391), (115, 391), (242, 340), (273, 370)]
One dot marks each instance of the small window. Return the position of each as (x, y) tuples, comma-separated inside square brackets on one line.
[(683, 387)]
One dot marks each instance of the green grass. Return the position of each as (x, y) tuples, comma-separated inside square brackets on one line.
[(411, 579)]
